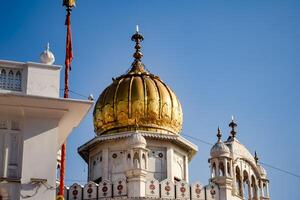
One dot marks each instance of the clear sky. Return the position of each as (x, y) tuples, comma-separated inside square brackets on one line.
[(221, 57)]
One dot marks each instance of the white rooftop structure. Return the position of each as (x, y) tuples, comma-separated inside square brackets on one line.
[(34, 123)]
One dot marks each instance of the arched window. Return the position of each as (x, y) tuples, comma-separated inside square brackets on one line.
[(136, 160), (3, 79), (143, 163), (265, 193), (246, 187), (221, 169), (213, 170), (238, 182), (259, 189), (58, 171), (129, 161), (254, 187), (228, 169), (10, 80), (18, 81)]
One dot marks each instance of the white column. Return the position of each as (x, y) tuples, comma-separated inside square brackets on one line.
[(249, 190), (256, 191), (217, 168), (2, 154), (225, 167), (6, 154), (140, 157), (105, 164), (267, 185), (170, 155), (131, 163), (261, 189), (186, 168), (147, 159), (231, 168), (233, 175), (211, 169)]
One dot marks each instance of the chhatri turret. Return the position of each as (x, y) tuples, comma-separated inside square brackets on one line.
[(221, 166)]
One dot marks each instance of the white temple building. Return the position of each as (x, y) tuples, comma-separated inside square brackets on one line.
[(138, 152), (34, 123)]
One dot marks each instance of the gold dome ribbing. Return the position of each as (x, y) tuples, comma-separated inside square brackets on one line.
[(137, 100)]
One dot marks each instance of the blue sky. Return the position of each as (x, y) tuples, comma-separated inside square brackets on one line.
[(220, 57)]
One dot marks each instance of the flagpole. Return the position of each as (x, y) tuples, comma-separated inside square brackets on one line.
[(69, 4)]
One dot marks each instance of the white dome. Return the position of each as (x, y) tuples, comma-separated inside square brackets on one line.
[(47, 56), (137, 140), (219, 149), (262, 171)]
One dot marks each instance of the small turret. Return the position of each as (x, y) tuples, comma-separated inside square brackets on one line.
[(221, 166), (137, 164)]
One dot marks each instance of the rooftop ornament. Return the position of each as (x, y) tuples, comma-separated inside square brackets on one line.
[(219, 134), (256, 158), (233, 124), (137, 65)]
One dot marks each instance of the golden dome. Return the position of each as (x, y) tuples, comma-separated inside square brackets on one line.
[(137, 100)]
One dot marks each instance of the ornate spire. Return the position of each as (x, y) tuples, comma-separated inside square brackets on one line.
[(256, 158), (232, 124), (219, 135), (137, 65)]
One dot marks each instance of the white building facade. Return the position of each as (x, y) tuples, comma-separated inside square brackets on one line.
[(138, 151), (34, 123)]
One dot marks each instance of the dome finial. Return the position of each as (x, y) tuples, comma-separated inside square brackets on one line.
[(256, 158), (137, 65), (48, 46), (232, 124), (219, 134), (47, 56)]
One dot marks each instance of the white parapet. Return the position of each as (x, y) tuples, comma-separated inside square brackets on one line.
[(29, 78)]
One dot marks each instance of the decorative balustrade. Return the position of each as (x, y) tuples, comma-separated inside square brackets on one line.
[(165, 189), (11, 79)]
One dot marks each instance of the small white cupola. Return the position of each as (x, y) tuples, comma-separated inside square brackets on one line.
[(136, 140), (261, 170), (219, 149), (47, 56)]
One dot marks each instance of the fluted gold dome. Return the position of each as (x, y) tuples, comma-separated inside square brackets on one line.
[(137, 100)]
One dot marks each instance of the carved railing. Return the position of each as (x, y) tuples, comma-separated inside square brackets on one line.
[(165, 189)]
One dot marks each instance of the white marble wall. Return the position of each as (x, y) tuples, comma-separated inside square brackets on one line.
[(36, 78), (165, 160)]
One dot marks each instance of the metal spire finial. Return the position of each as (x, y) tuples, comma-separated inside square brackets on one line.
[(219, 134), (232, 124), (256, 158), (137, 65), (48, 46)]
